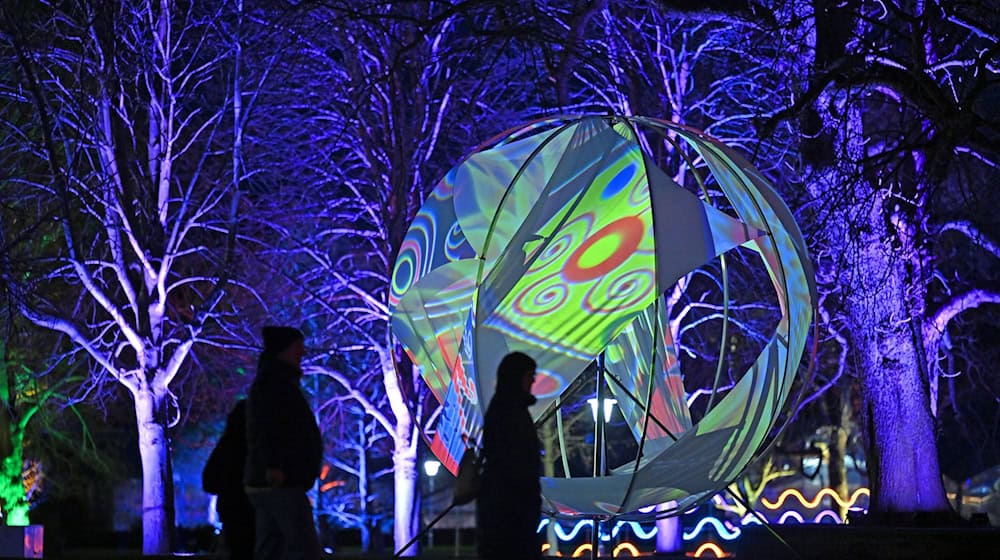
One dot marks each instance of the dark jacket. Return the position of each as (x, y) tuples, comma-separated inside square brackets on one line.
[(281, 429), (510, 503)]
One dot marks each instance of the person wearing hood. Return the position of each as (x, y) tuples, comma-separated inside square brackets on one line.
[(509, 505), (284, 451)]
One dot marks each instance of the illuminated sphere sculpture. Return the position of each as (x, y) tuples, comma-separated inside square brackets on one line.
[(560, 240)]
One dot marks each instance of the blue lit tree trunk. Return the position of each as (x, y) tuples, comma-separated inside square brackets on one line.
[(404, 461), (154, 453), (884, 332), (884, 335), (903, 469)]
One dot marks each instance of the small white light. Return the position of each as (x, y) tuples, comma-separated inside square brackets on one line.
[(432, 467), (609, 405)]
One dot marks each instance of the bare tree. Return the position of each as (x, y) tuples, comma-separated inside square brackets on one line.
[(349, 495), (894, 145), (383, 99), (893, 129), (129, 131)]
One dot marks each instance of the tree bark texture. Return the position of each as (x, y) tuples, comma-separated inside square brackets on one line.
[(154, 452), (902, 453), (861, 255)]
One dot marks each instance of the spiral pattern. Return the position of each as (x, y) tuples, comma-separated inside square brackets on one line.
[(619, 293), (542, 297)]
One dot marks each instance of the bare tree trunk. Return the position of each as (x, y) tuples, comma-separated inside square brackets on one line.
[(404, 459), (836, 465), (405, 513), (903, 471), (365, 526), (884, 327), (157, 518), (12, 495)]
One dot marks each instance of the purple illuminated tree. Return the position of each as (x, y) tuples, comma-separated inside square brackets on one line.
[(894, 151), (126, 119), (896, 145), (380, 104)]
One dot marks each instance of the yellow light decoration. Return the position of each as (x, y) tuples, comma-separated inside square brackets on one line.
[(815, 501), (710, 547), (630, 548)]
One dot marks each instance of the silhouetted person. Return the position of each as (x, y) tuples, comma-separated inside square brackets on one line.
[(223, 476), (284, 451), (510, 498)]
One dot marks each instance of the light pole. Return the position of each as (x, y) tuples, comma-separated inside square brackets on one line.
[(600, 451), (600, 454), (431, 468)]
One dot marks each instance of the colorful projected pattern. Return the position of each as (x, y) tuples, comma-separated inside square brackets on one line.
[(559, 240)]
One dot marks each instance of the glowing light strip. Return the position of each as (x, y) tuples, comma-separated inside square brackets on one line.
[(710, 547), (631, 549), (828, 513), (720, 529), (790, 514), (815, 501), (749, 518), (637, 529), (724, 529), (563, 536)]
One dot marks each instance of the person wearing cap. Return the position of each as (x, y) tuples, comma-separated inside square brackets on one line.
[(284, 451)]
